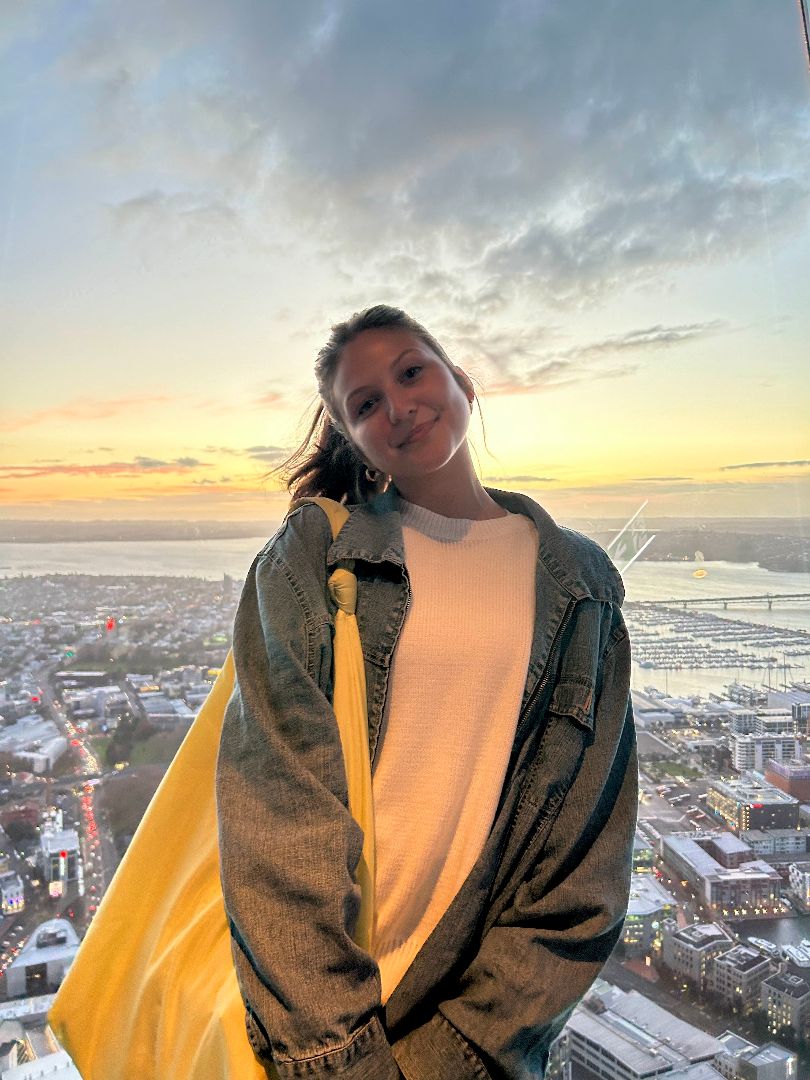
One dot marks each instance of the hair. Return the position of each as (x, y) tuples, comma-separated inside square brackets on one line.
[(326, 462)]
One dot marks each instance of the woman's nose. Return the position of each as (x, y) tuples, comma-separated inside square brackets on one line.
[(399, 406)]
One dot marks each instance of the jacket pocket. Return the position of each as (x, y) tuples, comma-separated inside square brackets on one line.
[(574, 700)]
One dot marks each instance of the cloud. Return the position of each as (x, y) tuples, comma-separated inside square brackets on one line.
[(83, 410), (140, 466), (182, 218), (659, 479), (520, 479), (551, 153), (256, 453), (801, 462), (268, 453), (271, 397), (523, 362)]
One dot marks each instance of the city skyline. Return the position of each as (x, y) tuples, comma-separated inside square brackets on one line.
[(601, 213)]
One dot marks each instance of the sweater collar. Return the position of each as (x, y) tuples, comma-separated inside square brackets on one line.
[(373, 533)]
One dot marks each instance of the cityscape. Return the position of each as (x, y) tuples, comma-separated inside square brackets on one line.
[(101, 677), (600, 213)]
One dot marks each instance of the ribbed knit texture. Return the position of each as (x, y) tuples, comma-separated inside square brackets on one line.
[(454, 693)]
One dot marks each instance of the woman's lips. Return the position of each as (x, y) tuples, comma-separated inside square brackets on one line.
[(418, 432)]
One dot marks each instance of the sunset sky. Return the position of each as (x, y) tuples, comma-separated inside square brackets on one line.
[(600, 209)]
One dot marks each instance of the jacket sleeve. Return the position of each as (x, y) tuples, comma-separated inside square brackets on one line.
[(289, 847), (544, 951)]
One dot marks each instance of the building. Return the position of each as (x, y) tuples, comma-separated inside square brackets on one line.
[(34, 740), (792, 777), (753, 751), (736, 976), (41, 964), (773, 843), (59, 855), (659, 711), (689, 951), (743, 1060), (776, 721), (12, 893), (643, 854), (650, 904), (81, 680), (799, 878), (742, 720), (750, 803), (745, 888), (729, 850), (785, 1000), (56, 1066), (622, 1035)]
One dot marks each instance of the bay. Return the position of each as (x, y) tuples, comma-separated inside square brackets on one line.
[(659, 581), (208, 559)]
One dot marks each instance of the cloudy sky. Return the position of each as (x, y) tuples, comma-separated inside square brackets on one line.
[(600, 209)]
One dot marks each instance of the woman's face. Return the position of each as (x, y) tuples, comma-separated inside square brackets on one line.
[(401, 404)]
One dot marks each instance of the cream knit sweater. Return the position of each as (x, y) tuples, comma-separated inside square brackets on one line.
[(454, 693)]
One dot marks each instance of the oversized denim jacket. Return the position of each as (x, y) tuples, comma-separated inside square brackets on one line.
[(543, 906)]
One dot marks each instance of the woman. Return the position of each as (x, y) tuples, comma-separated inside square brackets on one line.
[(501, 737)]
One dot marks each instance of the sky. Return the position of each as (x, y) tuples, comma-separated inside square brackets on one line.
[(600, 210)]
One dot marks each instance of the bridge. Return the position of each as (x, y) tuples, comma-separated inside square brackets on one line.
[(707, 601)]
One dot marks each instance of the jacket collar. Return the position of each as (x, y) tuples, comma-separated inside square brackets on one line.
[(373, 533)]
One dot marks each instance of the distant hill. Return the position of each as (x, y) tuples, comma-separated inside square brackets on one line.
[(773, 543)]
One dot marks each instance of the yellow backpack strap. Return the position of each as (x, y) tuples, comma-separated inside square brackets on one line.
[(349, 704), (335, 511)]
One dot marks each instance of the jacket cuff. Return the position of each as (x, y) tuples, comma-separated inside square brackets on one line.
[(437, 1049), (367, 1057)]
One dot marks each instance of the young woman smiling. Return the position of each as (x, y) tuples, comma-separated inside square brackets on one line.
[(500, 732)]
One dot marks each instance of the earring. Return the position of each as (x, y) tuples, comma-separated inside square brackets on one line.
[(372, 475)]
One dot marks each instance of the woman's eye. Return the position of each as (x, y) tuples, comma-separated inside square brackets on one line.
[(365, 406), (412, 371)]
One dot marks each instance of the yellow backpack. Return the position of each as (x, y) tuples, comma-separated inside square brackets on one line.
[(152, 992)]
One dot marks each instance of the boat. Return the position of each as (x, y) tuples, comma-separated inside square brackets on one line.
[(768, 947), (798, 955)]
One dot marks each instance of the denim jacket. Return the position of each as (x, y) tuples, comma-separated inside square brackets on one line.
[(543, 906)]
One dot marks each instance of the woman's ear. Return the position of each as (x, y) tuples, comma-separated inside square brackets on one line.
[(465, 382)]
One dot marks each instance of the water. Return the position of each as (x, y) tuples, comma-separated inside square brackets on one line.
[(676, 580), (779, 931), (211, 559), (126, 558)]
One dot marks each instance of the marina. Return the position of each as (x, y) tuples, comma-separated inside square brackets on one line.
[(667, 638)]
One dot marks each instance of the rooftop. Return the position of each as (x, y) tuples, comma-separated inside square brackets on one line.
[(652, 1027), (769, 1053), (743, 958), (648, 895), (791, 770), (749, 791), (701, 935), (59, 840), (52, 940), (734, 1043), (730, 844), (706, 866), (56, 1066), (758, 835), (792, 985)]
